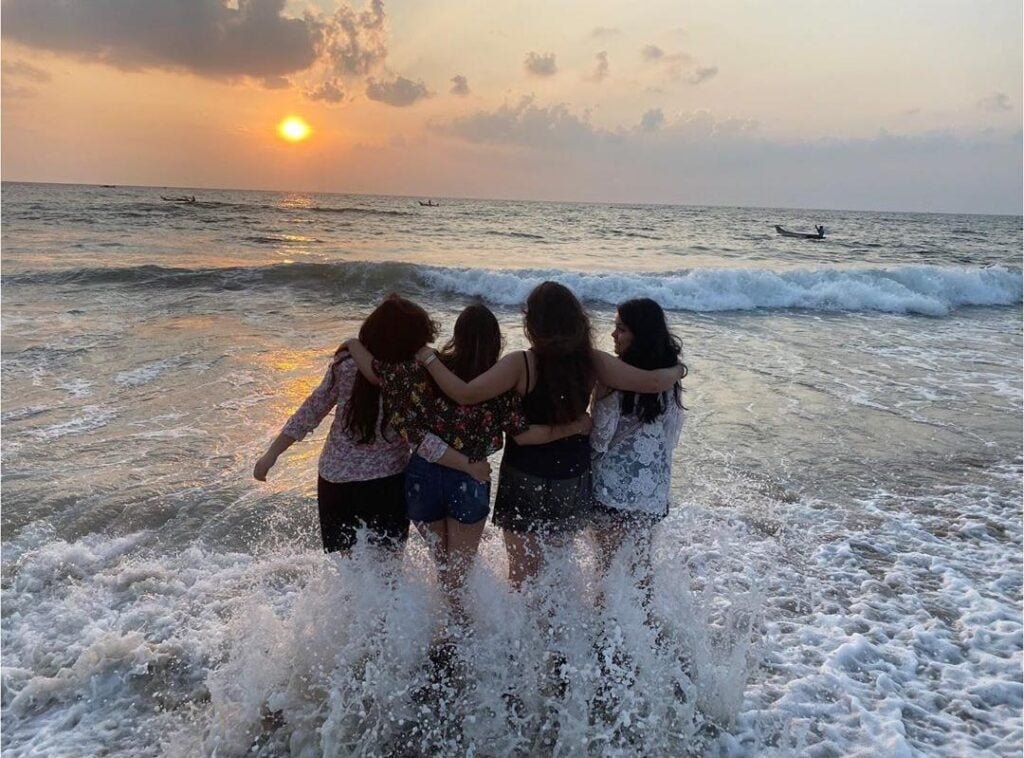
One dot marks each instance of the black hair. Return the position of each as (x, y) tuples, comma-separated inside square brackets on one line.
[(653, 347)]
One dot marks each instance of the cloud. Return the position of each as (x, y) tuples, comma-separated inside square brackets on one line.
[(652, 53), (702, 74), (399, 92), (525, 125), (330, 91), (600, 72), (205, 37), (652, 120), (1000, 101), (460, 85), (25, 70), (540, 65), (355, 43), (604, 32)]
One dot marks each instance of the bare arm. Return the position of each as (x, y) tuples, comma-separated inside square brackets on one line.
[(615, 373), (363, 359), (281, 443), (501, 377), (541, 434)]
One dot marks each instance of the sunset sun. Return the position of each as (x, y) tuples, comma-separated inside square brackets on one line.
[(294, 129)]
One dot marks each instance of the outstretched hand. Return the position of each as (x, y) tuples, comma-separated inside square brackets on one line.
[(262, 468)]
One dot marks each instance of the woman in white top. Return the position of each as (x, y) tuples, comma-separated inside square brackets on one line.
[(634, 435)]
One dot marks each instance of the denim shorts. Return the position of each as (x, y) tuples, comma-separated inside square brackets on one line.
[(434, 492)]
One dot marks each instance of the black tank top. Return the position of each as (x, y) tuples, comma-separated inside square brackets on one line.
[(566, 458)]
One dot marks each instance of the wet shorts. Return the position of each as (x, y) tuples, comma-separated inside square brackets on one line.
[(434, 492), (528, 503)]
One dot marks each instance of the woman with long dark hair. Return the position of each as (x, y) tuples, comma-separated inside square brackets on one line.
[(545, 490), (361, 473), (447, 506), (634, 436)]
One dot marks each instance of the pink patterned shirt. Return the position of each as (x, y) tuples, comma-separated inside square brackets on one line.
[(343, 459)]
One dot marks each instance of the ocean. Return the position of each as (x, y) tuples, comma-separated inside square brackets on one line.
[(840, 572)]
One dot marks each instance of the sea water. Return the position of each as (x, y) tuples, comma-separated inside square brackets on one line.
[(840, 571)]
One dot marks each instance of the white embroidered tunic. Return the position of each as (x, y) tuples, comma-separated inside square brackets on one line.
[(632, 461)]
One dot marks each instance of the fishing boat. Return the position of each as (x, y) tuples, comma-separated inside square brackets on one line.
[(429, 204), (819, 235)]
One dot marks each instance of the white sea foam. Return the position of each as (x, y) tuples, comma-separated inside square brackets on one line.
[(928, 290), (89, 418), (109, 646), (143, 374)]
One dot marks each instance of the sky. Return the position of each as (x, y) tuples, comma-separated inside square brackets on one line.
[(911, 105)]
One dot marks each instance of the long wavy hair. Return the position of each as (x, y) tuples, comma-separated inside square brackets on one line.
[(395, 330), (653, 347), (475, 344), (562, 341)]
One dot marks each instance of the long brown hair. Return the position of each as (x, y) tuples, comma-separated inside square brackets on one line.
[(475, 344), (395, 330), (559, 332)]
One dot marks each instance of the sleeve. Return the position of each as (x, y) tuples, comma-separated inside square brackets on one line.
[(432, 448), (606, 421), (319, 403)]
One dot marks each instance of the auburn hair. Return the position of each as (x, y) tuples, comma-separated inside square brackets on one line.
[(395, 330)]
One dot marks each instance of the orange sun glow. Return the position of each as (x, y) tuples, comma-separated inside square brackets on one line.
[(294, 129)]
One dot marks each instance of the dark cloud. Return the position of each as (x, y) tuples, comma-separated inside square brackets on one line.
[(206, 37), (524, 124), (540, 65), (652, 53), (399, 92), (330, 91), (1000, 101), (604, 32), (600, 72), (652, 120), (702, 74), (26, 71), (354, 43), (460, 85)]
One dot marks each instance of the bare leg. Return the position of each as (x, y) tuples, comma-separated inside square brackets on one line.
[(524, 556), (436, 537), (611, 539), (463, 540)]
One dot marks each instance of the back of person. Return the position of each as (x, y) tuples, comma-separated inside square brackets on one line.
[(562, 459), (632, 463)]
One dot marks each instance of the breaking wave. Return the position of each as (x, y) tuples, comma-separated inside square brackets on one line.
[(927, 290)]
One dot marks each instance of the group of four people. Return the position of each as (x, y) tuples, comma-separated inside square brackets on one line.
[(414, 427)]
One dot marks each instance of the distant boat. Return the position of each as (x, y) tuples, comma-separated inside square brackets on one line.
[(819, 235), (429, 204), (179, 198)]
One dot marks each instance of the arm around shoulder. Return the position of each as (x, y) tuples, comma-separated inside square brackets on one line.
[(501, 377), (620, 375)]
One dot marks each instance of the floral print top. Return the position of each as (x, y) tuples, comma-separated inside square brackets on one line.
[(632, 461), (343, 458), (417, 406)]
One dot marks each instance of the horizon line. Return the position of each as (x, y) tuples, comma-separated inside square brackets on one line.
[(514, 199)]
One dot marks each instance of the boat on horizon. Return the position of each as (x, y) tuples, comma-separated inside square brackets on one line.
[(818, 235)]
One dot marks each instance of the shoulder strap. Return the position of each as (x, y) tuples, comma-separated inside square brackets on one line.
[(526, 360)]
